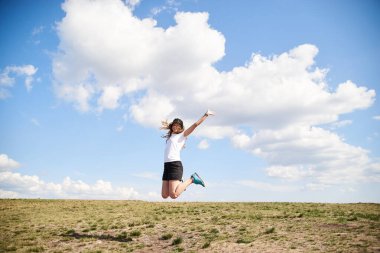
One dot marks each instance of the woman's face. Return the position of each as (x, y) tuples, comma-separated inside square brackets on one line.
[(176, 128)]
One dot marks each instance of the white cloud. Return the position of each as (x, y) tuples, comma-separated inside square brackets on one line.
[(109, 98), (79, 94), (151, 109), (6, 163), (7, 81), (173, 67), (37, 30), (108, 57), (35, 122), (288, 172), (148, 175), (316, 186), (154, 195), (241, 141), (35, 34), (169, 6), (263, 186), (106, 52), (340, 124), (16, 181), (373, 172), (376, 117), (348, 190), (14, 185), (132, 3), (203, 144), (213, 132), (301, 151), (283, 91), (32, 186), (8, 194)]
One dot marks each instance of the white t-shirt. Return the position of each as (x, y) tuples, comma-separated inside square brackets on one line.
[(173, 147)]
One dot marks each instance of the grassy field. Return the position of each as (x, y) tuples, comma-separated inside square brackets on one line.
[(136, 226)]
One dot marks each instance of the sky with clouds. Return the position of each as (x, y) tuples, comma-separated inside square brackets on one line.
[(85, 84)]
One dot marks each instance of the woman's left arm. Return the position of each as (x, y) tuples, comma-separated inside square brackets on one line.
[(193, 126)]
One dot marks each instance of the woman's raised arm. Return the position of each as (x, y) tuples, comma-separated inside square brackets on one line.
[(193, 126)]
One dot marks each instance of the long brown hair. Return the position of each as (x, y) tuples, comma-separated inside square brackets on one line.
[(168, 126)]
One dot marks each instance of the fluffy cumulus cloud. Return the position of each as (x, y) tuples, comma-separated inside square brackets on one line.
[(107, 53), (8, 74), (6, 163), (203, 144), (312, 153), (132, 3), (108, 59), (15, 185)]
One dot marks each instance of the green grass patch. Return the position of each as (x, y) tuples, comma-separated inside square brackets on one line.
[(129, 226), (206, 245), (245, 240), (135, 233), (166, 236), (177, 241)]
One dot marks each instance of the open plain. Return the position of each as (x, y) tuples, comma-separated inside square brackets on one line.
[(137, 226)]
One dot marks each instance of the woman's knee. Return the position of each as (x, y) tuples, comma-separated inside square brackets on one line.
[(164, 195), (173, 195)]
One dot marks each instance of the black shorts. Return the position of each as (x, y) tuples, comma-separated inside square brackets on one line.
[(173, 171)]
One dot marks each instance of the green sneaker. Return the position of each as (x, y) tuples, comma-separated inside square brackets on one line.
[(197, 179)]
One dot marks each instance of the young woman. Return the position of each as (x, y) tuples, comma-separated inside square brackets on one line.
[(172, 184)]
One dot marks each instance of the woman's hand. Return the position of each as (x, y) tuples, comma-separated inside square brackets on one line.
[(193, 126), (209, 112)]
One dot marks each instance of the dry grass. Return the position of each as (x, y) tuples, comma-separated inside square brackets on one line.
[(136, 226)]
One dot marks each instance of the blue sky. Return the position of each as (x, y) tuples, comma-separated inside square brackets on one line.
[(84, 85)]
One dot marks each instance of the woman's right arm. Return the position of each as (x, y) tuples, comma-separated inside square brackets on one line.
[(196, 124)]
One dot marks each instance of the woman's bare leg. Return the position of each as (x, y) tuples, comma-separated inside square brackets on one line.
[(181, 187), (165, 189), (176, 187)]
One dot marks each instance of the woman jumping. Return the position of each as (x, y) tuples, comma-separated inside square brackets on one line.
[(172, 184)]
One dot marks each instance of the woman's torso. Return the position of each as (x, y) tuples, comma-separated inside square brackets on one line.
[(174, 146)]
